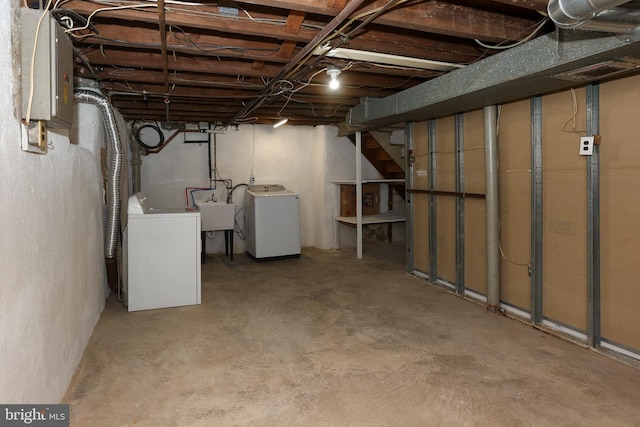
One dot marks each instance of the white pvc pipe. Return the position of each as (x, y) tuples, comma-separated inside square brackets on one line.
[(492, 206)]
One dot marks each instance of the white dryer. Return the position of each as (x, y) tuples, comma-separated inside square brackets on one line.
[(161, 257), (272, 222)]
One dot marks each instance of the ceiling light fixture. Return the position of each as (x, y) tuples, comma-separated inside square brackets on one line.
[(334, 73), (280, 123), (384, 58)]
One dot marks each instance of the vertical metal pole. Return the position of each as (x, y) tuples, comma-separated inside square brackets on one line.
[(459, 135), (593, 220), (536, 210), (408, 158), (359, 195), (336, 213), (433, 228), (493, 212), (136, 165)]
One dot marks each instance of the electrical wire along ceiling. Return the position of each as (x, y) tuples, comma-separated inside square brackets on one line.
[(235, 62)]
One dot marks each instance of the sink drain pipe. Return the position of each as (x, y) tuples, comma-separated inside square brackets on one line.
[(112, 232)]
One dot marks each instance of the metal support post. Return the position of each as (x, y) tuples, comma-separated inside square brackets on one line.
[(492, 206), (408, 156), (593, 220), (536, 210), (359, 195), (460, 235)]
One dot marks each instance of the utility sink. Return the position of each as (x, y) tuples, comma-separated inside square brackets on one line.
[(216, 215)]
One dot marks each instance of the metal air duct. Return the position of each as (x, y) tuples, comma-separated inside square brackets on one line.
[(113, 194), (594, 15), (533, 68)]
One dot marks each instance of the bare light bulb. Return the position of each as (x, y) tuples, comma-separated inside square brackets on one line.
[(333, 74)]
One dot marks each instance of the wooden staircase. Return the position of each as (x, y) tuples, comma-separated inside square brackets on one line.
[(379, 158), (373, 151)]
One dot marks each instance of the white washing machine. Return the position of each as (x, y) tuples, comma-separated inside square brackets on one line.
[(272, 222), (161, 257)]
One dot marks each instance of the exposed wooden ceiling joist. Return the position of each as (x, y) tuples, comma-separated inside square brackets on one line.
[(213, 61)]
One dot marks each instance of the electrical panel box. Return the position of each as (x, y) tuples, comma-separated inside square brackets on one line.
[(50, 69)]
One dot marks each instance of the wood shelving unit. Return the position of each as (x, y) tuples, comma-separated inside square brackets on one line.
[(359, 220)]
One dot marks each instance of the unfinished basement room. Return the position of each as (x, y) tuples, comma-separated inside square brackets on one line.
[(320, 213)]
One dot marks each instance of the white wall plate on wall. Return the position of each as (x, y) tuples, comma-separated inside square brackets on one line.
[(586, 145)]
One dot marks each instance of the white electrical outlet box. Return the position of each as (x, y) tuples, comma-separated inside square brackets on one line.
[(34, 137), (586, 145), (52, 67)]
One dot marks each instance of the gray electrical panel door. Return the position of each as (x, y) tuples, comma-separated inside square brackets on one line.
[(49, 68)]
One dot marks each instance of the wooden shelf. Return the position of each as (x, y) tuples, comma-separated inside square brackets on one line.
[(382, 218), (368, 181), (359, 220)]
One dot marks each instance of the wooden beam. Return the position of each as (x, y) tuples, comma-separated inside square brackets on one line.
[(537, 5), (294, 23), (363, 84), (336, 4), (213, 46), (182, 41), (308, 94), (183, 79), (157, 105), (214, 95), (429, 16), (153, 61), (163, 43), (403, 42), (271, 27)]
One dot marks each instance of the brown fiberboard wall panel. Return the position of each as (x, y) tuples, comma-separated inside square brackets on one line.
[(564, 211), (446, 207), (446, 217), (620, 211), (445, 154), (475, 245), (420, 200), (475, 229), (420, 135), (474, 152), (514, 154), (421, 232)]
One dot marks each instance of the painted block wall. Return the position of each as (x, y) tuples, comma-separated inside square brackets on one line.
[(52, 278), (302, 158)]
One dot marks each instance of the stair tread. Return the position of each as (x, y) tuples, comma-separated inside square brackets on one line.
[(381, 160)]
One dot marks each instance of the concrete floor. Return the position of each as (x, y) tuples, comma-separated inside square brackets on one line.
[(326, 340)]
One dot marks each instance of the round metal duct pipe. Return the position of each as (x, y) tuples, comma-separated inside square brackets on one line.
[(113, 194), (619, 20), (574, 13)]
